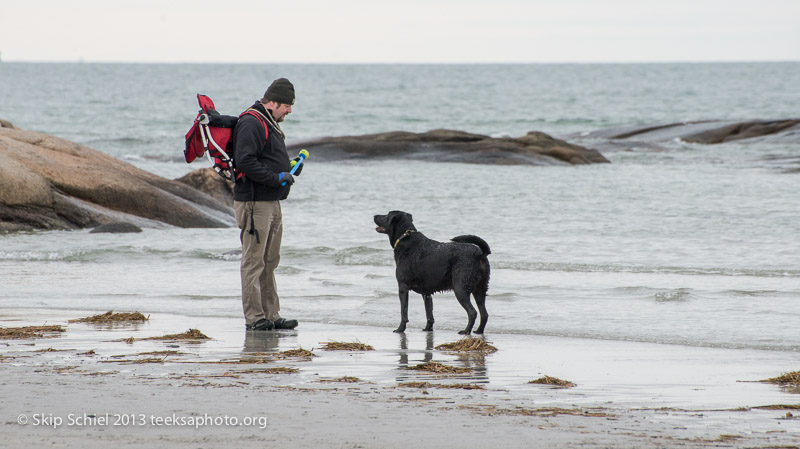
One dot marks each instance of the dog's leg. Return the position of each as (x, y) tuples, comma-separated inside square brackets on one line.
[(428, 312), (480, 300), (463, 299), (403, 309)]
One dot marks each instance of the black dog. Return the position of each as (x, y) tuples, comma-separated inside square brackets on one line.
[(427, 267)]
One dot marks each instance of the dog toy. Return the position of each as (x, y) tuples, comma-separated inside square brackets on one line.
[(303, 154)]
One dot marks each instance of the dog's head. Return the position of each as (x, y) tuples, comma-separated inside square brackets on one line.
[(394, 224)]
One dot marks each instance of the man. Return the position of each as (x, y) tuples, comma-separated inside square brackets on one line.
[(260, 154)]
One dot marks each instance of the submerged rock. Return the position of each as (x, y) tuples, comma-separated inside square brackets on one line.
[(444, 145), (50, 183), (116, 228)]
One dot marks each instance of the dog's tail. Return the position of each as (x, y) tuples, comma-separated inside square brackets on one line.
[(475, 240), (482, 285)]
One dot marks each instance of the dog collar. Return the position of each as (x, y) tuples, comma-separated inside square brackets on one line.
[(405, 234)]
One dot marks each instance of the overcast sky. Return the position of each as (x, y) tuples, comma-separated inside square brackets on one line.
[(415, 31)]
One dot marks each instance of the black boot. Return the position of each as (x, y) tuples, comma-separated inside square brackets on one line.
[(261, 325), (281, 323)]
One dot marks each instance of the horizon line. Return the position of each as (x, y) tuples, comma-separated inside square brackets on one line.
[(81, 61)]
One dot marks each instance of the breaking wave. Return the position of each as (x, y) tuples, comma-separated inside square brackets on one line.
[(645, 269)]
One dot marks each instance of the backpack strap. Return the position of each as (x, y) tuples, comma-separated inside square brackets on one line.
[(271, 121), (260, 117)]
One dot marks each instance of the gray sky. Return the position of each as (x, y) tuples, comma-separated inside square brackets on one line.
[(376, 31)]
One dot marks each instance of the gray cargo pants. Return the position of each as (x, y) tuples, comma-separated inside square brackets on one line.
[(260, 257)]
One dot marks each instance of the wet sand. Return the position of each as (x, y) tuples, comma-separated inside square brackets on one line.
[(81, 388)]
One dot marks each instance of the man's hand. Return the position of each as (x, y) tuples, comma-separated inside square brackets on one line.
[(286, 177), (294, 162)]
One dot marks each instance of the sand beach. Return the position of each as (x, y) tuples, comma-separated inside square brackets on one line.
[(90, 386)]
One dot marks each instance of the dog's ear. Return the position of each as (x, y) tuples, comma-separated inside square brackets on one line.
[(400, 215), (402, 218)]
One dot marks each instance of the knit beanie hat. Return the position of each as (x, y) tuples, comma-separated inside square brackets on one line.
[(280, 91)]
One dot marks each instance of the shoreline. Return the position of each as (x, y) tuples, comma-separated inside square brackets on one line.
[(627, 394)]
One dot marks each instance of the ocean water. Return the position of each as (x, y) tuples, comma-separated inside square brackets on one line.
[(695, 245)]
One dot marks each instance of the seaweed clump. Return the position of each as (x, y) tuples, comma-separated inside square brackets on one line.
[(191, 334), (469, 344), (791, 378), (344, 346), (295, 353), (17, 333), (427, 385), (549, 380), (439, 368), (274, 370), (111, 317), (345, 379)]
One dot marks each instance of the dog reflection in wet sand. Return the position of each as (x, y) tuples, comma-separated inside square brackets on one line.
[(427, 267)]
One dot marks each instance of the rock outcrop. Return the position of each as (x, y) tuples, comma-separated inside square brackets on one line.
[(444, 145), (746, 130), (211, 183), (50, 183), (708, 132)]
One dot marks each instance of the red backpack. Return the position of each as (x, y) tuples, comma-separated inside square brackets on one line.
[(211, 135)]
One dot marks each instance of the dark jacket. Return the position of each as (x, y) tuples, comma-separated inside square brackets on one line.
[(261, 162)]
